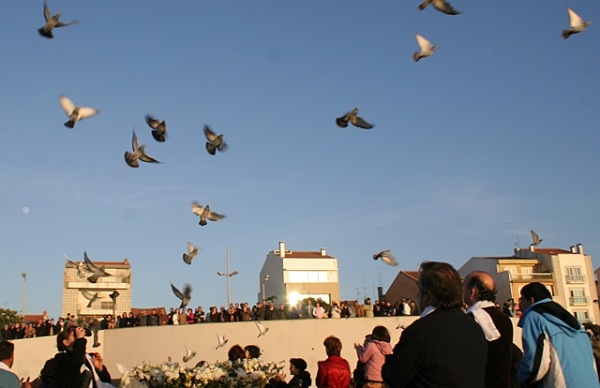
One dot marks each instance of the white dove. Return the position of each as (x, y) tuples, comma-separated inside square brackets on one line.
[(75, 113), (576, 22), (261, 328), (80, 268), (426, 48), (124, 375), (401, 326), (386, 257), (221, 341), (189, 354)]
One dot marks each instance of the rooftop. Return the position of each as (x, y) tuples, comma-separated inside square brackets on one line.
[(304, 255)]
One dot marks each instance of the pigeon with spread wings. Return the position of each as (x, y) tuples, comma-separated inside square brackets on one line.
[(52, 22), (204, 213), (576, 22), (440, 5), (261, 328), (221, 341), (75, 113), (159, 128), (131, 158), (426, 48), (192, 252), (386, 257), (185, 296), (89, 296), (97, 272), (352, 117), (215, 142), (536, 239)]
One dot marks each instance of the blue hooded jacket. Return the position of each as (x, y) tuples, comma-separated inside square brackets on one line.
[(557, 350)]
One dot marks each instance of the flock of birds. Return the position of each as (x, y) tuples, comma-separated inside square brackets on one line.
[(216, 143)]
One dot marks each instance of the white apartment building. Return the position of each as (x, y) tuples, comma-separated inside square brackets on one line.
[(567, 274), (295, 275)]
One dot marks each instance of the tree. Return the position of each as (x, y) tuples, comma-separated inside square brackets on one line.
[(8, 317)]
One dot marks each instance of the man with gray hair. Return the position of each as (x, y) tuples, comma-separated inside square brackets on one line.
[(479, 293)]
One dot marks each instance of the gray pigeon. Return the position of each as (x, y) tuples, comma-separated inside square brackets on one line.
[(131, 158), (205, 213), (79, 266), (97, 272), (440, 5), (192, 252), (536, 239), (426, 48), (185, 296), (214, 142), (386, 257), (52, 22), (89, 296), (75, 113), (576, 22), (159, 128), (353, 118)]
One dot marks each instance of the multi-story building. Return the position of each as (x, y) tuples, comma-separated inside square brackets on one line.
[(76, 284), (567, 274), (405, 285), (292, 276)]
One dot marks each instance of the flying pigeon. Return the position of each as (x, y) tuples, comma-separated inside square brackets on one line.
[(221, 340), (401, 326), (214, 142), (353, 118), (96, 272), (159, 128), (185, 296), (79, 265), (261, 328), (576, 22), (440, 5), (426, 48), (386, 257), (131, 158), (52, 22), (189, 354), (536, 239), (224, 274), (115, 294), (75, 113), (89, 296), (193, 251), (205, 213), (124, 375)]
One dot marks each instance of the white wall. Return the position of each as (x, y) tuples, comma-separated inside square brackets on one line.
[(285, 339)]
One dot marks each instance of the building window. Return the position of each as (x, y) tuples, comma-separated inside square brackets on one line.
[(106, 305), (578, 296), (307, 277), (574, 275), (582, 315)]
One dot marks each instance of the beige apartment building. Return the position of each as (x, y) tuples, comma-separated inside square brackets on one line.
[(567, 274), (76, 283), (295, 275)]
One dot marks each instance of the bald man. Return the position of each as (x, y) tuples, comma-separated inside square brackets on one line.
[(480, 295)]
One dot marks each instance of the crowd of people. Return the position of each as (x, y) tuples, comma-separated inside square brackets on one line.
[(462, 339)]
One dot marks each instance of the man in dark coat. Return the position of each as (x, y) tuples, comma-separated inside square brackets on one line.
[(445, 348), (480, 295)]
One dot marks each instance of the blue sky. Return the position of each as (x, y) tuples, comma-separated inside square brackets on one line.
[(499, 126)]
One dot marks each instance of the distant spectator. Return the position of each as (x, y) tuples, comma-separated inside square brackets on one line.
[(360, 313), (163, 318), (40, 329), (182, 317), (335, 311), (281, 313), (309, 309), (153, 318), (414, 308), (301, 377), (368, 308), (246, 312), (271, 312), (334, 372), (224, 315), (318, 311), (199, 315), (142, 318)]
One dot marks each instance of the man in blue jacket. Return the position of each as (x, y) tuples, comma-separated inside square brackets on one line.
[(557, 350)]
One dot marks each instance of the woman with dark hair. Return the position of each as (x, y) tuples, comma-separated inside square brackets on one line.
[(252, 351), (335, 371), (372, 355), (236, 353), (301, 377)]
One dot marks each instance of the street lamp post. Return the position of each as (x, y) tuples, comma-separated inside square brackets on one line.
[(229, 275), (24, 274), (263, 286)]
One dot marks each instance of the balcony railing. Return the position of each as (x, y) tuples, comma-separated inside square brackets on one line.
[(575, 300), (531, 277), (575, 278)]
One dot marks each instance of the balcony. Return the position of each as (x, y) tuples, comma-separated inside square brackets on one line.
[(575, 279), (531, 277), (579, 300)]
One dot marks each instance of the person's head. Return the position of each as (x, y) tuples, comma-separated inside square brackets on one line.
[(380, 333), (66, 338), (368, 301), (531, 293), (333, 346), (478, 286), (297, 366), (252, 351), (440, 286), (281, 307), (236, 353), (7, 353)]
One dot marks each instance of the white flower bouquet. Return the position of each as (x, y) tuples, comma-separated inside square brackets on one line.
[(247, 373)]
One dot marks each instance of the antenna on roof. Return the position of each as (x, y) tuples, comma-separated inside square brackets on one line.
[(517, 243)]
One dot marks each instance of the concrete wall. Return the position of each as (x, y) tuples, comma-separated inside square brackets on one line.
[(284, 340)]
